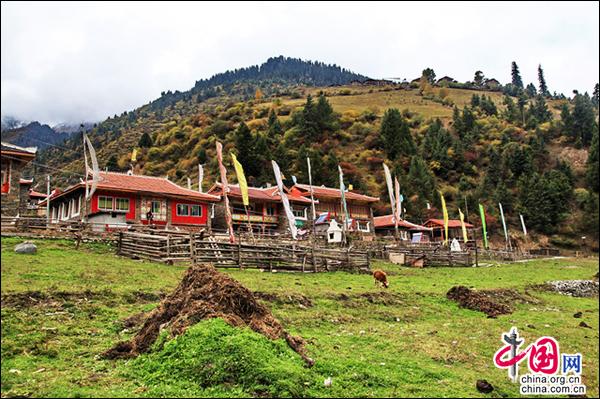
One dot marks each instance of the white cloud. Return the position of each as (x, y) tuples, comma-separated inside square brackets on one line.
[(73, 62)]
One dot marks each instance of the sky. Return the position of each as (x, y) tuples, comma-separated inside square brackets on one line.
[(73, 62)]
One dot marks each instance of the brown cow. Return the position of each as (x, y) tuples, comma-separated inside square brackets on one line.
[(380, 278)]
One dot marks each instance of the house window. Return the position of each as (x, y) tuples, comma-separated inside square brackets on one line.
[(363, 226), (122, 204), (76, 206), (65, 211), (270, 209), (155, 207), (105, 203), (196, 210), (183, 210), (299, 212)]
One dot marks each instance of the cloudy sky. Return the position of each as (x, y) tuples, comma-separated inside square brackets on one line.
[(69, 62)]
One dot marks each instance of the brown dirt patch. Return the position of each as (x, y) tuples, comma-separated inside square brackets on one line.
[(476, 300), (205, 293), (379, 298), (55, 299)]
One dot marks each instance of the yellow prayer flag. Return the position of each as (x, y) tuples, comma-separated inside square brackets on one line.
[(239, 171), (445, 212), (462, 224), (134, 155)]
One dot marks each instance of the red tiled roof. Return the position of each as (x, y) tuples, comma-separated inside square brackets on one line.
[(451, 223), (143, 184), (328, 192), (386, 221), (257, 193), (25, 181), (35, 194)]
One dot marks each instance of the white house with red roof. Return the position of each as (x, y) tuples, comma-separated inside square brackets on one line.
[(124, 199), (265, 210), (329, 206)]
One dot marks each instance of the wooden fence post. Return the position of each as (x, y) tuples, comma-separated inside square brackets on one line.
[(192, 252), (168, 245), (240, 252), (314, 259), (120, 242)]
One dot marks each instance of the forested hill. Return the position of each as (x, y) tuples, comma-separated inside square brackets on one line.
[(270, 77), (535, 152)]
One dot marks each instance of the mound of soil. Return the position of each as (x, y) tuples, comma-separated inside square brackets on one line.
[(475, 300), (205, 293), (284, 299), (27, 299)]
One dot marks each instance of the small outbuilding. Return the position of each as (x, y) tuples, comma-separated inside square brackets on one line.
[(334, 232)]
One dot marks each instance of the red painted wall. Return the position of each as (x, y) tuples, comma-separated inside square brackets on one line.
[(201, 220), (130, 215)]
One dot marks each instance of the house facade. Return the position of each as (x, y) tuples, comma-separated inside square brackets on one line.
[(121, 200), (14, 195), (328, 206), (454, 229), (265, 210), (385, 227)]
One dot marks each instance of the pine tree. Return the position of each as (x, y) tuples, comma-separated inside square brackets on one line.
[(429, 75), (395, 135), (112, 164), (422, 184), (516, 76), (478, 79), (584, 119), (530, 91), (591, 174), (595, 96), (202, 156), (543, 87), (145, 141), (436, 144)]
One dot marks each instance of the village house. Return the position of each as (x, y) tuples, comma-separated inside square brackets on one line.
[(491, 84), (32, 197), (124, 199), (385, 227), (329, 206), (454, 229), (14, 195), (265, 209), (445, 81)]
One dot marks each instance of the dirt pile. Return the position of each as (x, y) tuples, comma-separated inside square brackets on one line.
[(476, 300), (577, 288), (204, 293)]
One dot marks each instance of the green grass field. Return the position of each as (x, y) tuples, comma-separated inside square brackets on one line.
[(61, 308)]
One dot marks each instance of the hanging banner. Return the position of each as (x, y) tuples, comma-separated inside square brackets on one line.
[(200, 177), (523, 225), (462, 225), (503, 222), (445, 213), (239, 171), (223, 171), (398, 203), (134, 155), (284, 199), (95, 169), (388, 180), (343, 192), (312, 200), (483, 226)]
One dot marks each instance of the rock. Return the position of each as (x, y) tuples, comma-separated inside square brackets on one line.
[(26, 247), (484, 387), (531, 326), (578, 315), (584, 325), (576, 288), (328, 381)]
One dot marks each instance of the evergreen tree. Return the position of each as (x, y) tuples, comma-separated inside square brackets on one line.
[(429, 74), (436, 144), (422, 184), (511, 113), (478, 79), (112, 164), (591, 174), (584, 120), (543, 87), (516, 76), (595, 96), (530, 91), (395, 135), (475, 100), (145, 141), (202, 156)]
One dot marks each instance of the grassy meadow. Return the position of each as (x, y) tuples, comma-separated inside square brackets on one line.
[(61, 308)]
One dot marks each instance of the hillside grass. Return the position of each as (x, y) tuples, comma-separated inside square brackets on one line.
[(409, 341)]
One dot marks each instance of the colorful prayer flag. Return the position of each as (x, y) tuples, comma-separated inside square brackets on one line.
[(523, 225), (388, 180), (228, 217), (134, 155), (239, 171), (398, 203), (462, 225), (483, 226), (503, 222), (445, 213), (284, 199), (342, 190)]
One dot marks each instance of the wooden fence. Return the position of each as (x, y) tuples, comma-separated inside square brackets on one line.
[(435, 256), (194, 248)]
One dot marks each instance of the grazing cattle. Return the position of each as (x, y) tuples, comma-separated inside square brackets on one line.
[(380, 278)]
